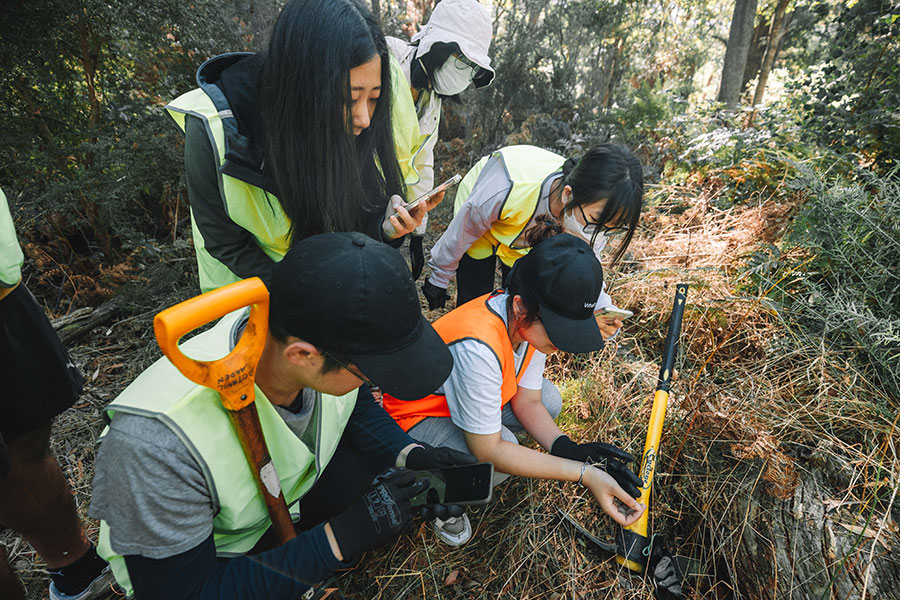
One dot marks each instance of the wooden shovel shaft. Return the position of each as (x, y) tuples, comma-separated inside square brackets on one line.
[(232, 376), (246, 424)]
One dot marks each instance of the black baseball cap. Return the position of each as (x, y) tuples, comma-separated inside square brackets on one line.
[(566, 279), (348, 293)]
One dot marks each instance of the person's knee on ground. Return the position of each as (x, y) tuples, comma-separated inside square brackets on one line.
[(551, 398)]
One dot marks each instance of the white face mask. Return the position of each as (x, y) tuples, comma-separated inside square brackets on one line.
[(573, 226), (452, 77)]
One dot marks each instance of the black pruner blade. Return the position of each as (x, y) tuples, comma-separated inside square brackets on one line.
[(666, 571), (608, 547)]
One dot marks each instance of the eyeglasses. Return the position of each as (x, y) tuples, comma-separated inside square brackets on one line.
[(592, 228), (346, 366), (461, 62)]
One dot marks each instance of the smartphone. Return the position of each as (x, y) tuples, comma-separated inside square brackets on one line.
[(447, 184), (618, 313), (464, 485)]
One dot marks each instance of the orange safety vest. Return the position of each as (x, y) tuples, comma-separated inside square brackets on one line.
[(473, 320)]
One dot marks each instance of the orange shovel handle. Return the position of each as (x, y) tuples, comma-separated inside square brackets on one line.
[(233, 375)]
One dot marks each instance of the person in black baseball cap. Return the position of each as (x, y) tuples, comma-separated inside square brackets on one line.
[(358, 305), (499, 343), (170, 470)]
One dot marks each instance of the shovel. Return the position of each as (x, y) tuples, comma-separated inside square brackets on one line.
[(232, 376)]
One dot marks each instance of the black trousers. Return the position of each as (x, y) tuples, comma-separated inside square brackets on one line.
[(475, 277)]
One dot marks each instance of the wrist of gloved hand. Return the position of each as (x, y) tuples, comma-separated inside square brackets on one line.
[(596, 452), (610, 458), (377, 516), (436, 296), (564, 447), (425, 457)]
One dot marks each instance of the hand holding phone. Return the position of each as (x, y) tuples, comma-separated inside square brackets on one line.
[(462, 485), (386, 225)]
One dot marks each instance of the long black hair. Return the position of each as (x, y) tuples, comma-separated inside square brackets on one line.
[(327, 179), (613, 173)]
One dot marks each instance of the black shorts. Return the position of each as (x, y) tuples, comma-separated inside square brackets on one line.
[(38, 380)]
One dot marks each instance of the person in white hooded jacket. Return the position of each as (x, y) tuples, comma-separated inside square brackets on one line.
[(442, 60), (596, 197)]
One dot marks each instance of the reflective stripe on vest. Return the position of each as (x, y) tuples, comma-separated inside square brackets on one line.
[(11, 257), (251, 207), (246, 205), (472, 320), (527, 168), (196, 415), (408, 138)]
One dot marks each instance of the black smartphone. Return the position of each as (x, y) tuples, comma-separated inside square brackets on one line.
[(464, 485)]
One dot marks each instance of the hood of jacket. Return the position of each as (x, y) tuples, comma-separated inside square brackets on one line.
[(230, 81), (468, 25)]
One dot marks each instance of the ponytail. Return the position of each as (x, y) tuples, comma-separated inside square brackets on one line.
[(545, 226), (567, 168)]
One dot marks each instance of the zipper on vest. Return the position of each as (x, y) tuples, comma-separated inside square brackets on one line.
[(318, 434)]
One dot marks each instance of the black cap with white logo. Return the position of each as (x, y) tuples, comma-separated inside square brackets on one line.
[(566, 278), (348, 293)]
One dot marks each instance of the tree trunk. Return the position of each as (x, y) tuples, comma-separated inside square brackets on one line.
[(90, 57), (772, 44), (756, 53), (818, 543), (739, 38), (376, 9)]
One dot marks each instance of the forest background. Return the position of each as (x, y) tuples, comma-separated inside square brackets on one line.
[(769, 131)]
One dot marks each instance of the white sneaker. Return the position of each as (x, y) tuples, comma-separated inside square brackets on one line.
[(98, 588), (455, 531)]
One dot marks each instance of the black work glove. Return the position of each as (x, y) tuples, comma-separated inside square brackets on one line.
[(666, 573), (416, 255), (377, 516), (611, 459), (425, 458), (437, 297)]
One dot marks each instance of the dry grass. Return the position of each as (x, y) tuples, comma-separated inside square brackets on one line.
[(751, 413), (754, 412)]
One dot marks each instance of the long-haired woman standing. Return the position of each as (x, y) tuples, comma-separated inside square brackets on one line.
[(291, 143)]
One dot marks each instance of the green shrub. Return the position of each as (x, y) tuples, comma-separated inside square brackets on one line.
[(846, 298)]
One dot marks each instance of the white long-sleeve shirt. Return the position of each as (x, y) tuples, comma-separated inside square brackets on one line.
[(477, 215)]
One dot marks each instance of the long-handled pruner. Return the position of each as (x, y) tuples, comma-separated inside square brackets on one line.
[(633, 544), (232, 376)]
